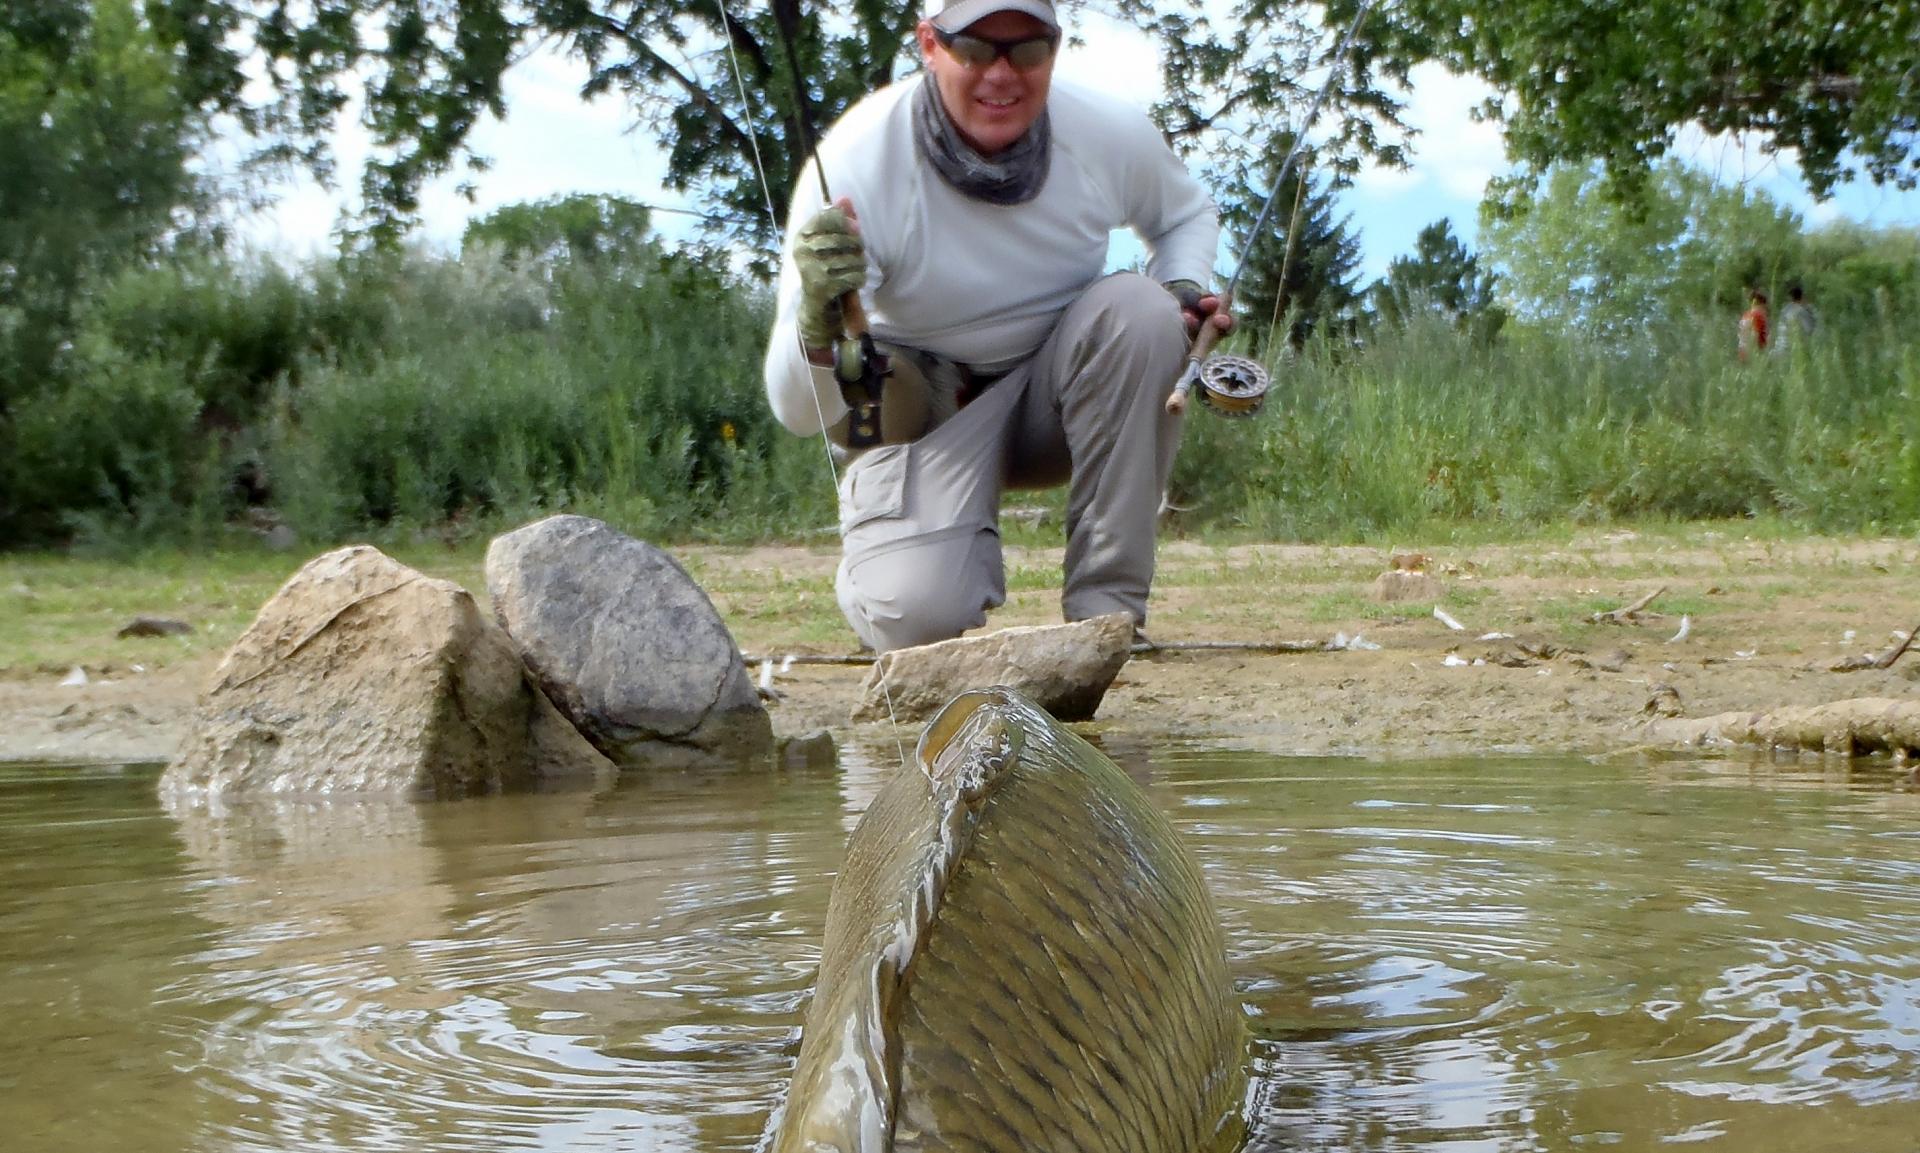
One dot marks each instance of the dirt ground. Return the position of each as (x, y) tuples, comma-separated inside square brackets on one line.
[(1766, 621)]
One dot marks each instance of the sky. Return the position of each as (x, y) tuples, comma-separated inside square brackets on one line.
[(551, 143)]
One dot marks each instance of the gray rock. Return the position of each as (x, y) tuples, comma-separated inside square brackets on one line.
[(809, 750), (363, 676), (625, 643), (1065, 669)]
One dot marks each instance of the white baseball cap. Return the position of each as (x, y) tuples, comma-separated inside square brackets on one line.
[(953, 15)]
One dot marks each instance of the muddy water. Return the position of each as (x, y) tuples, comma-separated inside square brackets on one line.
[(1493, 955)]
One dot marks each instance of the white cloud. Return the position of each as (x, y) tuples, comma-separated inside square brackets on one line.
[(1115, 59), (551, 143), (1453, 154)]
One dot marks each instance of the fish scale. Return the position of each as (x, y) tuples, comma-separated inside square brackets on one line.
[(1020, 955)]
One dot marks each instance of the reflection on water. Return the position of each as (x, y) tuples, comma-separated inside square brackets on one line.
[(1498, 955)]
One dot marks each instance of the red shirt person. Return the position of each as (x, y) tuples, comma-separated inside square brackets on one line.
[(1753, 326)]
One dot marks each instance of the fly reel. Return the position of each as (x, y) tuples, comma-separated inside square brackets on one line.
[(1233, 385)]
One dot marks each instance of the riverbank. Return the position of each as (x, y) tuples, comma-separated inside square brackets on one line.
[(1529, 670)]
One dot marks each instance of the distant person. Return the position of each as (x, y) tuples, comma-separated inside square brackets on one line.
[(1797, 322), (1753, 325)]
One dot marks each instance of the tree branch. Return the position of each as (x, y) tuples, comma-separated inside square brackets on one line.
[(729, 128)]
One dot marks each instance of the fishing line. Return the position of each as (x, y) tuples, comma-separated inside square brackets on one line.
[(773, 217), (1236, 385)]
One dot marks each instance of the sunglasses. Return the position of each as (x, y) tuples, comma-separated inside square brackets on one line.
[(979, 53)]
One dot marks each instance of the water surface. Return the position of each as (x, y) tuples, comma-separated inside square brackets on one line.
[(1511, 954)]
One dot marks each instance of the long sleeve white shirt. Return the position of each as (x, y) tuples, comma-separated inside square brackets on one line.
[(981, 283)]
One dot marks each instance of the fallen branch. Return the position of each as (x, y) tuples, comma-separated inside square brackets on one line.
[(809, 658), (1627, 613), (1883, 661), (1845, 728), (1144, 647), (1900, 650), (1234, 647)]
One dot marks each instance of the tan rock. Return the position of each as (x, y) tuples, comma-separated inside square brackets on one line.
[(1396, 585), (361, 675)]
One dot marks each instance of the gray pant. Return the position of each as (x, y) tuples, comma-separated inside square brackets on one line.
[(919, 522)]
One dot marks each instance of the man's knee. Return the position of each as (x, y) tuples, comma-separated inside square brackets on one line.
[(902, 616), (1139, 307), (920, 596)]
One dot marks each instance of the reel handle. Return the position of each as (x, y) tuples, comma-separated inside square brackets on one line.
[(1203, 343), (853, 314)]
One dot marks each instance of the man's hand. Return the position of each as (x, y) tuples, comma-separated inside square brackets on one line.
[(1198, 305), (832, 262)]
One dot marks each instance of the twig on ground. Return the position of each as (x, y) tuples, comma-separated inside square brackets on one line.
[(1274, 647), (1886, 660), (1232, 647), (1630, 612), (1882, 661), (812, 658)]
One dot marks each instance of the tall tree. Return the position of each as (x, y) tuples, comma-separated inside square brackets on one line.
[(1442, 277), (1302, 266), (96, 141)]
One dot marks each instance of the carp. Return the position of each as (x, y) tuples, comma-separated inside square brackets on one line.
[(1020, 955)]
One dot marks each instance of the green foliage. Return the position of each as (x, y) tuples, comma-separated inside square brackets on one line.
[(1235, 85), (115, 452), (1430, 429), (1831, 79), (95, 142), (605, 231), (1579, 255), (632, 398), (398, 392), (402, 394), (1441, 277)]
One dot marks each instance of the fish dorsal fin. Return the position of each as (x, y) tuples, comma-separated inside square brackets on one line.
[(912, 842)]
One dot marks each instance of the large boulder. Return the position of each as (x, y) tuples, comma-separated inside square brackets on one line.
[(625, 643), (364, 676), (1065, 669)]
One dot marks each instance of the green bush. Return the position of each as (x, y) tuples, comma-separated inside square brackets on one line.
[(115, 454), (399, 394)]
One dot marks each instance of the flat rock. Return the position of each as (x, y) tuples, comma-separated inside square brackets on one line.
[(625, 643), (364, 676), (1065, 669)]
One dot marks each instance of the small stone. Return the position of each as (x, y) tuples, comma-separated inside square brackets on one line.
[(154, 627), (808, 750), (1397, 585)]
